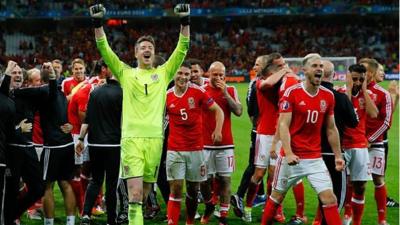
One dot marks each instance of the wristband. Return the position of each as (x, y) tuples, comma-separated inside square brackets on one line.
[(97, 22), (185, 21)]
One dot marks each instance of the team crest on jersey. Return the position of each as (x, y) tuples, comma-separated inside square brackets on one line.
[(191, 103), (154, 77), (285, 105), (322, 105), (361, 103)]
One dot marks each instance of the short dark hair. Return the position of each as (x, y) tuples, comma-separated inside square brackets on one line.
[(98, 65), (269, 61), (145, 38), (187, 64), (358, 68), (194, 61)]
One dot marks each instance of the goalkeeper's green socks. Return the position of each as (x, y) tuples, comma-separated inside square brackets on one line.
[(135, 214)]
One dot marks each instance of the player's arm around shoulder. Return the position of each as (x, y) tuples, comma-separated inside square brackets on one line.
[(178, 55), (97, 13)]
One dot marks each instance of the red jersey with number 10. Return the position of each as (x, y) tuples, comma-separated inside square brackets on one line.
[(309, 113), (185, 118)]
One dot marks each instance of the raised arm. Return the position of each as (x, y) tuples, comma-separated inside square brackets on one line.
[(370, 106), (234, 103), (97, 12), (179, 54), (5, 85)]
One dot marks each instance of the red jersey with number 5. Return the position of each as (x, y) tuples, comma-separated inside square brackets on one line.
[(309, 113), (185, 118), (209, 119)]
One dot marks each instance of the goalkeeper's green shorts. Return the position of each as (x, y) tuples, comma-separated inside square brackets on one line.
[(140, 157)]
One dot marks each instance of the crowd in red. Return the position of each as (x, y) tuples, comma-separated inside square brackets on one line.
[(235, 46)]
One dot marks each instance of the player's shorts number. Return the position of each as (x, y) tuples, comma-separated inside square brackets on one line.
[(312, 116), (184, 114), (377, 163)]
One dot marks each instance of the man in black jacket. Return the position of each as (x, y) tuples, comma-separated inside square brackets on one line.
[(7, 115), (58, 148), (103, 125), (345, 116), (22, 160)]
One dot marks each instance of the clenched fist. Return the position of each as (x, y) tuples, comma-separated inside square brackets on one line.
[(97, 12), (183, 11)]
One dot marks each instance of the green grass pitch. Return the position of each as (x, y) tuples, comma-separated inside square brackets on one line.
[(241, 129)]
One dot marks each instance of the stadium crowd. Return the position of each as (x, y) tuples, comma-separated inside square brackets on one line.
[(52, 126), (168, 4), (236, 45)]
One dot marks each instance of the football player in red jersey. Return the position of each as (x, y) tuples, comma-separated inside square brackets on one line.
[(78, 76), (304, 108), (375, 129), (219, 157), (355, 143), (185, 157)]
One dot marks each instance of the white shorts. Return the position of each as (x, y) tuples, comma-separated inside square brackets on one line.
[(186, 165), (377, 159), (221, 162), (358, 164), (314, 169), (262, 157), (84, 157)]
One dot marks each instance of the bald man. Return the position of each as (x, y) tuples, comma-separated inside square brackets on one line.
[(219, 156), (345, 116)]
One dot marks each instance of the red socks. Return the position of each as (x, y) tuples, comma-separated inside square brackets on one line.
[(173, 210), (269, 212), (347, 200), (191, 207), (318, 216), (79, 193), (298, 191), (357, 203), (380, 197), (224, 209), (331, 214)]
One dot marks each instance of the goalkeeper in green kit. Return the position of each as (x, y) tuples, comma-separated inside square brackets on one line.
[(144, 95)]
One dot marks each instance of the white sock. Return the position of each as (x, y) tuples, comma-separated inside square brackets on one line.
[(70, 220), (48, 221)]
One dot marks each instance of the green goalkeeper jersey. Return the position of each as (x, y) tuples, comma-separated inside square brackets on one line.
[(144, 90)]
